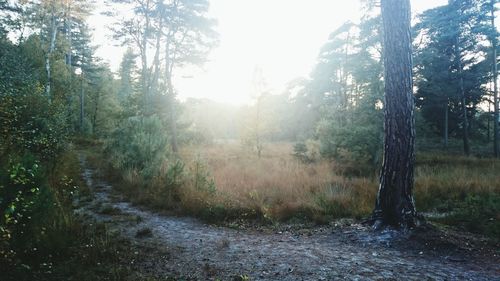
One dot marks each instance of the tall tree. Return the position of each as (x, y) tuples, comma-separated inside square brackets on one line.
[(189, 36), (496, 118), (127, 75), (54, 13), (457, 51), (395, 204), (451, 71), (181, 31), (137, 31), (75, 14), (84, 59), (346, 90)]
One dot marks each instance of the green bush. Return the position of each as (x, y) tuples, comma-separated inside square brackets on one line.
[(479, 213), (20, 186), (357, 142), (28, 123), (174, 180), (139, 143), (202, 181), (307, 152), (33, 213)]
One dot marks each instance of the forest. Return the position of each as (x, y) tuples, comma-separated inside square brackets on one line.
[(381, 163)]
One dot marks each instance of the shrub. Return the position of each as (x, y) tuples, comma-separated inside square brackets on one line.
[(35, 210), (28, 123), (307, 152), (20, 190), (139, 143), (201, 178), (173, 180), (479, 213), (357, 143)]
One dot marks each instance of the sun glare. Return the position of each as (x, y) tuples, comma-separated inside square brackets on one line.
[(280, 37)]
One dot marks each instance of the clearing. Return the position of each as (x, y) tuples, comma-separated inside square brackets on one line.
[(192, 250)]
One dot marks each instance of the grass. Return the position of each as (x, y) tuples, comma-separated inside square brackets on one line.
[(443, 178), (278, 187), (60, 246), (465, 189)]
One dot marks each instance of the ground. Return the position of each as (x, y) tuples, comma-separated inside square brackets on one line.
[(188, 249)]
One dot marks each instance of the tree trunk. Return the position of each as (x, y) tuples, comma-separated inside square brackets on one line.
[(258, 142), (465, 119), (445, 127), (172, 121), (67, 30), (395, 204), (82, 107), (52, 46), (488, 134), (169, 66), (496, 148), (144, 60), (463, 100), (96, 110), (153, 89)]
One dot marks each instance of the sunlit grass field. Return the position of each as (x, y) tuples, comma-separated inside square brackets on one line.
[(227, 181)]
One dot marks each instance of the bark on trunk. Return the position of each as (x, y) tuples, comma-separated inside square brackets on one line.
[(169, 66), (172, 121), (496, 148), (82, 108), (445, 127), (67, 29), (465, 118), (153, 89), (463, 100), (96, 109), (395, 204), (144, 60), (52, 46)]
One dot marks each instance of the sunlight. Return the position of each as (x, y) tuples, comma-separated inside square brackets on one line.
[(249, 140), (280, 37)]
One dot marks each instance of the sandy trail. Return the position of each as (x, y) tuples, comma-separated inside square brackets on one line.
[(189, 248)]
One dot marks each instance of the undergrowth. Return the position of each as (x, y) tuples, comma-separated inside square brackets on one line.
[(42, 239), (226, 183)]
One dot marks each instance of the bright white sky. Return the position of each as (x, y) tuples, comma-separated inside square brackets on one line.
[(281, 37)]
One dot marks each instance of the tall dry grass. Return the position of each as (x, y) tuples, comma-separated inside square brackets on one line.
[(235, 183), (278, 186), (441, 179)]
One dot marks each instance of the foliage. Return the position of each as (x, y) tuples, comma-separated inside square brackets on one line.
[(334, 117), (29, 124), (139, 143), (451, 53), (36, 210), (307, 152), (479, 213), (346, 88), (359, 142), (170, 190), (201, 179), (20, 191)]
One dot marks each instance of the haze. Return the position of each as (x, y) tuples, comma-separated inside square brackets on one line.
[(280, 37)]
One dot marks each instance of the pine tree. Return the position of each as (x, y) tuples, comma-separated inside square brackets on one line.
[(450, 71), (395, 205)]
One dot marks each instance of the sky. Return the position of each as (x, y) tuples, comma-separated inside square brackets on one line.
[(282, 38)]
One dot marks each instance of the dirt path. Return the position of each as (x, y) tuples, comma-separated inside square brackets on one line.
[(189, 248)]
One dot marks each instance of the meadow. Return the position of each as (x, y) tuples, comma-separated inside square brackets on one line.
[(223, 182)]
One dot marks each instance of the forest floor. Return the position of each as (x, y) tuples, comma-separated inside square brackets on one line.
[(182, 248)]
